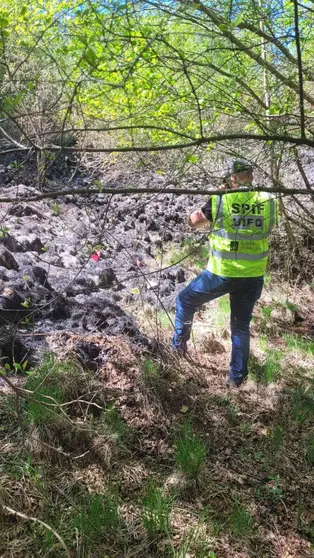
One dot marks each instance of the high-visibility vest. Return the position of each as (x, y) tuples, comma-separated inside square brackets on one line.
[(242, 223)]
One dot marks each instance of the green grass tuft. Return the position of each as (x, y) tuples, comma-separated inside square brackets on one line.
[(151, 369), (299, 344), (310, 449), (240, 521), (269, 371), (114, 421), (156, 510), (190, 450), (165, 319), (302, 404)]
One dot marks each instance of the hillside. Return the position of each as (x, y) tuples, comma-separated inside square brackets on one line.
[(111, 445)]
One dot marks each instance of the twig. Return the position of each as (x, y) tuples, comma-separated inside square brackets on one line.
[(140, 191), (36, 520), (294, 140), (300, 69)]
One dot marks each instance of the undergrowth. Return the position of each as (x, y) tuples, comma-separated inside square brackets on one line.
[(190, 450), (113, 476)]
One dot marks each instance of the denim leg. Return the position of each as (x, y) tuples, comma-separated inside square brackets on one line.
[(242, 302), (205, 287)]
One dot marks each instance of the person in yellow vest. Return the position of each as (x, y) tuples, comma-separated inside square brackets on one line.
[(242, 220)]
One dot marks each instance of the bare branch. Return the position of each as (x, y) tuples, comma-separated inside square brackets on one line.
[(36, 520), (300, 69), (164, 191), (247, 50)]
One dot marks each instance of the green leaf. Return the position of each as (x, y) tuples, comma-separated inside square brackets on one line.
[(238, 20), (189, 158), (4, 22), (223, 27), (90, 57)]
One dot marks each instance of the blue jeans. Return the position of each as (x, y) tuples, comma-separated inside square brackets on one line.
[(243, 292)]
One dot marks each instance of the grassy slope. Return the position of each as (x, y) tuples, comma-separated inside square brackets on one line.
[(156, 457)]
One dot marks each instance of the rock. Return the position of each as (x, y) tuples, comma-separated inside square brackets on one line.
[(13, 350), (24, 210), (176, 275), (3, 274), (107, 278), (40, 276), (7, 260), (86, 282), (10, 243), (11, 309), (152, 225), (181, 276), (168, 217), (68, 261), (12, 276), (30, 243), (153, 285), (165, 289), (60, 309), (167, 236)]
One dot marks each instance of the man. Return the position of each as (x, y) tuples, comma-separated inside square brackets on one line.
[(241, 224)]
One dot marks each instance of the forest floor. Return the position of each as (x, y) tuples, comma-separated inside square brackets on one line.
[(153, 456)]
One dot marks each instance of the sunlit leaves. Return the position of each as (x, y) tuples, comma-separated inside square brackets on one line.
[(130, 64)]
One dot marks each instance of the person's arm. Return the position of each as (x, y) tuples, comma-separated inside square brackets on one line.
[(201, 217)]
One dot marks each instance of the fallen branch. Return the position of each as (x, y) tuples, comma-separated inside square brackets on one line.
[(36, 520), (163, 191)]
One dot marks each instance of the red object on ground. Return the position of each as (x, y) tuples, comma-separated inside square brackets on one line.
[(96, 255)]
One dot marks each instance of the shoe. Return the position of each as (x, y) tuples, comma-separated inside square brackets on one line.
[(231, 383)]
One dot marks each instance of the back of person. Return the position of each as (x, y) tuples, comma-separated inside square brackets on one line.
[(242, 220), (242, 223)]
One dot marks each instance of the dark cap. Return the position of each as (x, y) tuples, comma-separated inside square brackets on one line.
[(240, 165)]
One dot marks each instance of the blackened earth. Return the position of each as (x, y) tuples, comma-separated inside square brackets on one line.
[(74, 263)]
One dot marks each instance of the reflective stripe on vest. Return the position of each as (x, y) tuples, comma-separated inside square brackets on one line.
[(238, 255), (238, 236)]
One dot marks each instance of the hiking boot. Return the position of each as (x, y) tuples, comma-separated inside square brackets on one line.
[(231, 383)]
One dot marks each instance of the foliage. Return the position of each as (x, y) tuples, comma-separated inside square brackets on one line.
[(240, 521), (269, 370), (299, 344), (113, 420), (151, 369), (190, 450), (310, 449), (157, 75), (302, 404), (98, 515), (192, 252), (156, 510)]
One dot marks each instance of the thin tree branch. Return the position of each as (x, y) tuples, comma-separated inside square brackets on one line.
[(248, 51), (131, 190), (151, 148), (36, 520), (300, 69)]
